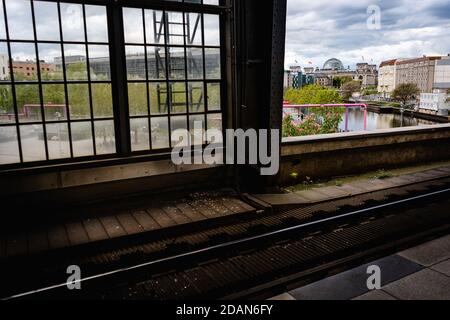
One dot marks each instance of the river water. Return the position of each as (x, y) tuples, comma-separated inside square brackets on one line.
[(375, 120)]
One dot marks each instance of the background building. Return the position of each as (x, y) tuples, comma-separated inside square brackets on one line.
[(367, 74), (386, 77), (419, 71), (436, 102), (442, 73), (29, 69)]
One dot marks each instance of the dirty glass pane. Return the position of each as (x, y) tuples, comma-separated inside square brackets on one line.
[(105, 140), (102, 100), (9, 147), (58, 141), (33, 145), (160, 133), (82, 142), (72, 22), (140, 135), (79, 101), (137, 99), (47, 21)]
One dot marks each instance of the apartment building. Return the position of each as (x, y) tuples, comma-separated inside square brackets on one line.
[(419, 71)]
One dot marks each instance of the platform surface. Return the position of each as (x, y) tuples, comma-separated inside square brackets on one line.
[(330, 193), (145, 218), (419, 273)]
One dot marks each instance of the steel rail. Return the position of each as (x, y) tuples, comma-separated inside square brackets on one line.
[(225, 245)]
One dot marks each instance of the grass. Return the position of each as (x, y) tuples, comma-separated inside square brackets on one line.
[(378, 174)]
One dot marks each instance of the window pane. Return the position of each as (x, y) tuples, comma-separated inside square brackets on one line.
[(214, 121), (154, 26), (54, 102), (135, 56), (47, 21), (158, 98), (33, 145), (102, 100), (97, 23), (137, 99), (214, 97), (140, 137), (75, 56), (51, 62), (105, 140), (196, 97), (2, 22), (160, 133), (9, 147), (156, 63), (19, 19), (4, 63), (175, 24), (176, 63), (7, 114), (193, 28), (212, 58), (197, 129), (79, 101), (195, 63), (133, 25), (82, 142), (28, 103), (178, 97), (211, 2), (212, 31), (24, 61), (177, 123), (58, 141), (99, 63), (72, 22)]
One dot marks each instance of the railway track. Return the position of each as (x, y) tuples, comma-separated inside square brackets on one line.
[(248, 258)]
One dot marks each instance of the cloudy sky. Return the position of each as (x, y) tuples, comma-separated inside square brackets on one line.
[(322, 29)]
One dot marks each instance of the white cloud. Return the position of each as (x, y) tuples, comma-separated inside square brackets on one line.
[(319, 30)]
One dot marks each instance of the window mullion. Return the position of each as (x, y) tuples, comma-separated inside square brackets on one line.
[(119, 79)]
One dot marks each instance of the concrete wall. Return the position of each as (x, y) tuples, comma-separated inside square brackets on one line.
[(326, 156), (65, 187)]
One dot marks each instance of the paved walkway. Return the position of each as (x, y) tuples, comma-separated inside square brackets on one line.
[(330, 193), (419, 273)]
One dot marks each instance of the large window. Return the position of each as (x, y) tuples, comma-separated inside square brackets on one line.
[(55, 91), (57, 97), (173, 73)]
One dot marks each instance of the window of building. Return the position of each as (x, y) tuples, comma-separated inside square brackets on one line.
[(65, 109), (173, 75)]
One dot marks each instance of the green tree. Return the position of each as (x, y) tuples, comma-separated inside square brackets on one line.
[(312, 94), (405, 92), (349, 88), (370, 90), (6, 101), (340, 81)]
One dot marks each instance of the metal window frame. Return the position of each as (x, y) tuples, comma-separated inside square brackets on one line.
[(118, 82)]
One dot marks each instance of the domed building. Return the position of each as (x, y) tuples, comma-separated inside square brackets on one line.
[(333, 64)]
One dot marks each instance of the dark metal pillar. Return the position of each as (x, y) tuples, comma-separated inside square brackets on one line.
[(260, 45)]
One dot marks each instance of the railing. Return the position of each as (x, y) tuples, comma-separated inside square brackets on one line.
[(347, 106)]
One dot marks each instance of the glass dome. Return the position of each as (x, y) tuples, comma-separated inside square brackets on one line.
[(333, 64)]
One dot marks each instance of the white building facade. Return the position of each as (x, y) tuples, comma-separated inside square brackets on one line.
[(387, 78), (435, 103)]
